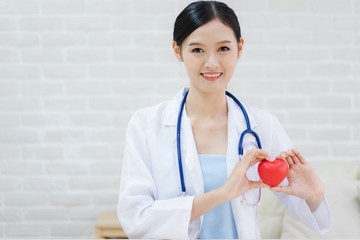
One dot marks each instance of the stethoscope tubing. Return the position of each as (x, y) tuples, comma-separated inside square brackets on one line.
[(178, 135)]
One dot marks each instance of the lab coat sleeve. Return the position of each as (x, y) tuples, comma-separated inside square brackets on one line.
[(320, 219), (140, 213)]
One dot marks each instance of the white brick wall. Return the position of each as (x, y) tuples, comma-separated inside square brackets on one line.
[(73, 71)]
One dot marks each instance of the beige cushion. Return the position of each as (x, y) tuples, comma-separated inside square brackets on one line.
[(341, 187)]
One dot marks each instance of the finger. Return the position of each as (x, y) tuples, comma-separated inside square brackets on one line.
[(258, 184), (289, 159), (294, 157), (300, 156), (283, 189)]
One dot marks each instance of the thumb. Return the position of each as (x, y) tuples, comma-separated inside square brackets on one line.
[(283, 189), (258, 184)]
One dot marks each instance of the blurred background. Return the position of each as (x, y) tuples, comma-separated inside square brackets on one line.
[(72, 72)]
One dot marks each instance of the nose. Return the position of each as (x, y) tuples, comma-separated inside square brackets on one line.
[(212, 62)]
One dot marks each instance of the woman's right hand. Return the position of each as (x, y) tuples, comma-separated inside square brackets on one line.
[(238, 183)]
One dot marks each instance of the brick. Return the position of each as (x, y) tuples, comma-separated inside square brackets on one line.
[(326, 133), (19, 72), (313, 150), (39, 88), (310, 22), (9, 23), (69, 199), (65, 168), (287, 103), (309, 117), (42, 152), (114, 39), (155, 39), (25, 199), (72, 229), (273, 54), (333, 6), (19, 40), (83, 213), (10, 214), (45, 184), (9, 56), (346, 150), (65, 104), (108, 6), (87, 23), (91, 183), (87, 56), (90, 119), (87, 88), (121, 88), (299, 133), (346, 86), (326, 38), (308, 86), (312, 54), (347, 22), (46, 214), (42, 120), (63, 7), (19, 104), (18, 136), (345, 117), (267, 21), (330, 70), (87, 152), (42, 55), (9, 152), (287, 70), (64, 72), (108, 167), (106, 136), (19, 7), (330, 102), (9, 184), (110, 71), (106, 199), (21, 168), (109, 103), (40, 23), (132, 55), (154, 7), (9, 88), (26, 229), (65, 137), (132, 22), (289, 38), (288, 6), (346, 53), (57, 39)]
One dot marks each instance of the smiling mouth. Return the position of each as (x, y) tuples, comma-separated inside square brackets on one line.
[(211, 76)]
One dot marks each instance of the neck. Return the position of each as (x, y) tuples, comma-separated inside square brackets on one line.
[(206, 105)]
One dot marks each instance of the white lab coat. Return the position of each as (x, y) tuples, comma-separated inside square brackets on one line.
[(150, 201)]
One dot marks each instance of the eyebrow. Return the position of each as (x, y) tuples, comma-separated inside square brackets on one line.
[(196, 43)]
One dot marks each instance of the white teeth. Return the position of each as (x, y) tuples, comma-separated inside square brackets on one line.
[(212, 75)]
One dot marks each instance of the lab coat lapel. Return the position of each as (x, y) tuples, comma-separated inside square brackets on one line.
[(191, 166), (236, 125)]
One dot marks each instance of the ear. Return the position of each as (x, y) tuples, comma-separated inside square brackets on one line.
[(177, 51), (240, 47)]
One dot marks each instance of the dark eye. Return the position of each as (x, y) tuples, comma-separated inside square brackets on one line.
[(224, 49), (197, 50)]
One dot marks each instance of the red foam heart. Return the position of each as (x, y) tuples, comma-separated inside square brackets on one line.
[(273, 173)]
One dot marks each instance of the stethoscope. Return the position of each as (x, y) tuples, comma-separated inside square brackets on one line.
[(240, 147)]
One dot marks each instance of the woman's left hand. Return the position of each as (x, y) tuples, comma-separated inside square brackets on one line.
[(303, 180)]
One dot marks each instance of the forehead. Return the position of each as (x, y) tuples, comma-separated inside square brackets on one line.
[(212, 32)]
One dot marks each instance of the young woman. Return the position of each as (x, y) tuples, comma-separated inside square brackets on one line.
[(182, 174)]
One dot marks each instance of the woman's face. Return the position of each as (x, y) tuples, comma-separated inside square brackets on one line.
[(210, 54)]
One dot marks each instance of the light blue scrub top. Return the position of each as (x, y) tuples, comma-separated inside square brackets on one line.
[(219, 222)]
